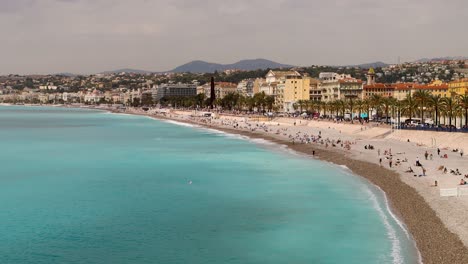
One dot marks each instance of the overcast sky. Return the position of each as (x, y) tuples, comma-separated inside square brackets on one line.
[(88, 36)]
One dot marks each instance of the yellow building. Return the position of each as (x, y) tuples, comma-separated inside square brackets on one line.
[(459, 87), (439, 88), (291, 89)]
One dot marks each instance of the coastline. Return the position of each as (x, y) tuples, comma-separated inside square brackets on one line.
[(435, 242)]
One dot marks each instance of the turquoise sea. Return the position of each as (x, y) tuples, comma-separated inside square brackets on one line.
[(84, 186)]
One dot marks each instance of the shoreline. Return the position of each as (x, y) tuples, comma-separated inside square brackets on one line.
[(434, 241)]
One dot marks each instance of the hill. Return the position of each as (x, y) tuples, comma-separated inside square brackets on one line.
[(377, 64), (127, 71), (442, 59), (245, 65)]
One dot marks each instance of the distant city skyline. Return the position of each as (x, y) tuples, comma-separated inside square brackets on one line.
[(90, 36)]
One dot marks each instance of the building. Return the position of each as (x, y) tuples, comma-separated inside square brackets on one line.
[(275, 76), (221, 89), (257, 84), (380, 89), (291, 88), (246, 87), (330, 85), (438, 88), (402, 90), (350, 88), (49, 86), (224, 88), (370, 77), (315, 90), (458, 87), (175, 90), (94, 97)]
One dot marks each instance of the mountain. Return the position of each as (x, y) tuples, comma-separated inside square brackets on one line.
[(66, 74), (442, 59), (127, 71), (246, 65), (377, 64)]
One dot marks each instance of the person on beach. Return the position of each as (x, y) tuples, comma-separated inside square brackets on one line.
[(390, 163), (380, 161), (438, 151), (423, 171), (426, 155), (431, 156)]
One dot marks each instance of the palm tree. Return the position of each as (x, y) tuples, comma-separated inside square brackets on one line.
[(360, 106), (436, 102), (450, 107), (367, 106), (335, 107), (386, 104), (300, 104), (314, 106), (463, 100), (351, 105), (422, 97), (399, 105), (325, 107), (409, 106), (341, 105), (376, 101), (393, 102)]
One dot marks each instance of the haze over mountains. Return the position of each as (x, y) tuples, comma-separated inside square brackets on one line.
[(246, 65), (200, 66)]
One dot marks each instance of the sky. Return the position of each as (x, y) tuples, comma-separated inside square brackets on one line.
[(90, 36)]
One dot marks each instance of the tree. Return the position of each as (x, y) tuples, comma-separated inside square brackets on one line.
[(269, 102), (351, 105), (376, 101), (436, 103), (422, 97), (135, 102), (360, 106), (409, 106), (259, 100), (367, 106), (450, 107), (399, 105), (200, 99), (147, 99), (386, 104), (463, 100)]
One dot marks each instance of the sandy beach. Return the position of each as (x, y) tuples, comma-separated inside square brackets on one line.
[(438, 224)]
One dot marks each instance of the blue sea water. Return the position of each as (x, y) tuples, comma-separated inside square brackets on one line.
[(85, 186)]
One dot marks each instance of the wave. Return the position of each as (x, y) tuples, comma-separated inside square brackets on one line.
[(387, 217), (178, 123), (391, 232)]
